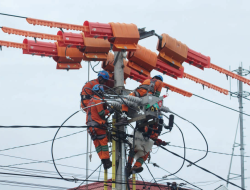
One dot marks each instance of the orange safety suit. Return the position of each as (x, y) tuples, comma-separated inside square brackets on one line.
[(151, 86), (85, 94), (97, 131), (142, 159)]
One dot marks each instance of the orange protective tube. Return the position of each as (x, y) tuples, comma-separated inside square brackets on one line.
[(177, 90), (207, 84), (13, 44), (31, 34), (52, 24), (231, 74)]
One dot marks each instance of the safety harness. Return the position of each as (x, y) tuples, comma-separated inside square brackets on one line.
[(149, 88), (91, 123)]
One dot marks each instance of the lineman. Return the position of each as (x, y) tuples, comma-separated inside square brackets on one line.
[(103, 77), (145, 138), (97, 125), (152, 86)]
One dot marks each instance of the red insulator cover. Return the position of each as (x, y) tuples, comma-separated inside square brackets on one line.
[(168, 70), (197, 59), (40, 48), (98, 30), (69, 38)]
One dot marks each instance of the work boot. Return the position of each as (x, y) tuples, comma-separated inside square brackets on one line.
[(107, 164), (123, 121), (136, 170)]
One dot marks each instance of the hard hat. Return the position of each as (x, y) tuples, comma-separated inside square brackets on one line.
[(104, 75), (159, 76), (98, 87)]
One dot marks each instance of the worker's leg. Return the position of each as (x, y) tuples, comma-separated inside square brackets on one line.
[(98, 147), (141, 160), (104, 148)]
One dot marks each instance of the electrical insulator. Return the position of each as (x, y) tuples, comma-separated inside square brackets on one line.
[(165, 109), (126, 101), (115, 104), (134, 99)]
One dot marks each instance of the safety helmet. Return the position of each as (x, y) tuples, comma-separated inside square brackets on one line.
[(97, 88), (159, 77), (104, 75)]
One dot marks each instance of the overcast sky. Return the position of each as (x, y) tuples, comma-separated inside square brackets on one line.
[(33, 92)]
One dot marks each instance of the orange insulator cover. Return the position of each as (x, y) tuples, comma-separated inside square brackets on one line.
[(30, 34), (96, 49), (71, 55), (172, 51), (70, 39), (126, 36), (68, 66), (143, 60), (13, 44)]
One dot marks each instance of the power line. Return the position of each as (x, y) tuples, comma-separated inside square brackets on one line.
[(12, 15), (220, 104), (204, 169), (42, 127), (41, 141), (208, 151)]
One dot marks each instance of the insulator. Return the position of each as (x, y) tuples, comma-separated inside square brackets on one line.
[(130, 103), (134, 99), (165, 109), (115, 104)]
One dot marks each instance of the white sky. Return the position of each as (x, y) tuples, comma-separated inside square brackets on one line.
[(33, 92)]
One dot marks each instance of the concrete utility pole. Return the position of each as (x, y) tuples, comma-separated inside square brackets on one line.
[(240, 95), (120, 148)]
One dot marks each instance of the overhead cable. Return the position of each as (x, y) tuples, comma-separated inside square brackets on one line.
[(204, 169), (220, 105), (12, 15)]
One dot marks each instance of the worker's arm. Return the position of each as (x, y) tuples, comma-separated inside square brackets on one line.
[(101, 111), (159, 86)]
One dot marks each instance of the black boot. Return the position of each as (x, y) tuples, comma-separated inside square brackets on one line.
[(107, 164), (136, 170)]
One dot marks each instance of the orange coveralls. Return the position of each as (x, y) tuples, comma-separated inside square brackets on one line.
[(84, 101), (142, 159), (142, 92), (95, 117)]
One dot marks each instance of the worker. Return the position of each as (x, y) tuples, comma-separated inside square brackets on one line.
[(86, 93), (97, 124), (145, 138), (149, 86)]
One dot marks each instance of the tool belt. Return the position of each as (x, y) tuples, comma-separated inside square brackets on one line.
[(93, 134)]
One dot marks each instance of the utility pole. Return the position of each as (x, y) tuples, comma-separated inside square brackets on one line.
[(120, 147), (87, 155), (240, 95)]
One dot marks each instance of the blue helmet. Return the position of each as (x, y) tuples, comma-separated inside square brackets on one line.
[(98, 87), (159, 76), (104, 75)]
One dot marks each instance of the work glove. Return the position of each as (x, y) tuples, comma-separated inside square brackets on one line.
[(159, 142), (111, 110)]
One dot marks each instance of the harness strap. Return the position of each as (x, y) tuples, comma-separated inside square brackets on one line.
[(149, 88)]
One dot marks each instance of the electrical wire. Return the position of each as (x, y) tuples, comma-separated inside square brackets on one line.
[(13, 15), (152, 175), (184, 149), (52, 145), (204, 169), (156, 165), (93, 68), (208, 151), (221, 105), (22, 146), (199, 132)]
